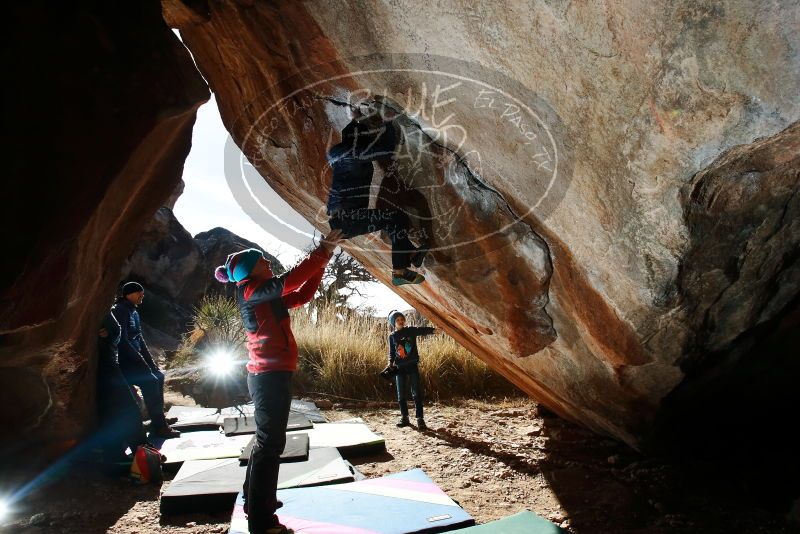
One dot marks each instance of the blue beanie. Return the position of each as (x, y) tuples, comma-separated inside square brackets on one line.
[(393, 315), (239, 265)]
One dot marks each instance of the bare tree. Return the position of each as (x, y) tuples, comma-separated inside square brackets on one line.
[(342, 280)]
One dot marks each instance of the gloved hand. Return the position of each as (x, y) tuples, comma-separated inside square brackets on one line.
[(389, 372)]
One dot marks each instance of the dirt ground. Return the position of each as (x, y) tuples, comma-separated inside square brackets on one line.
[(494, 458)]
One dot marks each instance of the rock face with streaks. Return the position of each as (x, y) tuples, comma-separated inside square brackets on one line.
[(610, 190), (103, 104)]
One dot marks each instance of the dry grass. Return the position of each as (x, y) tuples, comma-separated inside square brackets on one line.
[(342, 354)]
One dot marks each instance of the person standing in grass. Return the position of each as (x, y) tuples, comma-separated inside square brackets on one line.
[(264, 301), (404, 356)]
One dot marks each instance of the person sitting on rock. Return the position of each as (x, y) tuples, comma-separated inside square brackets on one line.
[(364, 139), (264, 301), (120, 424), (403, 356), (137, 363)]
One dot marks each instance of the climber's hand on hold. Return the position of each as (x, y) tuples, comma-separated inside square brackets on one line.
[(355, 114)]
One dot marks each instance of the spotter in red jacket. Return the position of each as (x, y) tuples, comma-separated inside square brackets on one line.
[(264, 304)]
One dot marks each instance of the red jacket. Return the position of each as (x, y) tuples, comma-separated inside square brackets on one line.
[(264, 305)]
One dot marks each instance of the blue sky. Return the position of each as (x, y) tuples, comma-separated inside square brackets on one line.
[(207, 202)]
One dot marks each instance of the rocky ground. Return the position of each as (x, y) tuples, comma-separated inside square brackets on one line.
[(494, 458)]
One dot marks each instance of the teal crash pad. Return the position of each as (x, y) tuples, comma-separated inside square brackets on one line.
[(521, 523)]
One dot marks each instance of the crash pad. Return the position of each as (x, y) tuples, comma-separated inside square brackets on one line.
[(309, 409), (296, 449), (200, 445), (300, 407), (357, 475), (247, 424), (194, 418), (353, 438), (203, 486), (241, 410), (402, 503), (212, 485), (521, 523), (324, 466)]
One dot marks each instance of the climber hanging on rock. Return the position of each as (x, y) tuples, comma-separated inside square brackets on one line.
[(365, 139)]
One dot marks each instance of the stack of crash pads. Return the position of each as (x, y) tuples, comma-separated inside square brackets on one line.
[(402, 503), (189, 418), (353, 438), (212, 485), (246, 424), (213, 444), (208, 461), (321, 492)]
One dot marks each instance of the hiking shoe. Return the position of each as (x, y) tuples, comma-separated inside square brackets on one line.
[(407, 277), (421, 424), (403, 422), (165, 432), (277, 527), (419, 256), (278, 504), (172, 420)]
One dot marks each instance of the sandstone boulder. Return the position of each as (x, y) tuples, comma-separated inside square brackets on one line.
[(102, 101), (610, 189)]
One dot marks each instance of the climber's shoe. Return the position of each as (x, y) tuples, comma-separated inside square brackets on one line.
[(403, 422), (280, 529), (407, 277), (278, 504), (419, 256), (421, 424)]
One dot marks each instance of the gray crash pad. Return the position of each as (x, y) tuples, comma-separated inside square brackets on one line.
[(207, 486), (296, 450), (247, 424), (194, 418)]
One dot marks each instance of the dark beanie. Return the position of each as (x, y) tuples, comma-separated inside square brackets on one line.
[(131, 287)]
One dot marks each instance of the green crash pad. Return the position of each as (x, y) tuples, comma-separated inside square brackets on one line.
[(521, 523)]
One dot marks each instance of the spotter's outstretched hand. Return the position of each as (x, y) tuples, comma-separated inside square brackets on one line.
[(330, 241)]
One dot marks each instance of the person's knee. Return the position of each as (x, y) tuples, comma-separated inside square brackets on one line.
[(271, 444)]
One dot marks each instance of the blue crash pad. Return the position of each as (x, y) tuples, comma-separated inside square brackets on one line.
[(402, 503)]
